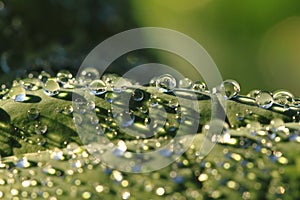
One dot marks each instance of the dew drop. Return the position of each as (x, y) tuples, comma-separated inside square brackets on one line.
[(166, 83), (253, 93), (199, 86), (125, 119), (125, 195), (264, 99), (283, 97), (40, 129), (97, 87), (185, 83), (23, 163), (51, 87), (33, 114), (63, 76), (88, 75), (44, 76), (229, 89), (17, 93)]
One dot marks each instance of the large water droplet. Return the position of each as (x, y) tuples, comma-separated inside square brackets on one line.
[(97, 87), (166, 83), (51, 87), (17, 93), (264, 99), (229, 89)]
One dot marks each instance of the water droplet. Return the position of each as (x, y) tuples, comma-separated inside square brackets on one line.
[(17, 93), (283, 97), (120, 149), (264, 99), (97, 87), (229, 89), (91, 105), (57, 154), (44, 76), (160, 191), (33, 113), (173, 103), (185, 83), (63, 76), (49, 170), (88, 75), (125, 119), (138, 95), (86, 195), (23, 163), (253, 93), (199, 86), (77, 119), (166, 83), (125, 195), (41, 129), (51, 87), (202, 177), (68, 110), (110, 97), (41, 141)]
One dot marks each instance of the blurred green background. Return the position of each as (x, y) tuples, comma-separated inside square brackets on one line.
[(254, 42)]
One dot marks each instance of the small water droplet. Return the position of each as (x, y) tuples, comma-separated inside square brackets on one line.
[(125, 195), (185, 83), (63, 76), (88, 75), (253, 93), (125, 119), (166, 83), (229, 89), (17, 93), (264, 99), (33, 113), (120, 149), (97, 87), (199, 86), (51, 87), (57, 154), (41, 129), (23, 163), (44, 76)]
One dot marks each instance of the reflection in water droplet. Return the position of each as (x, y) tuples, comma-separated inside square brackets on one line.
[(51, 87), (63, 76), (264, 99), (166, 83)]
